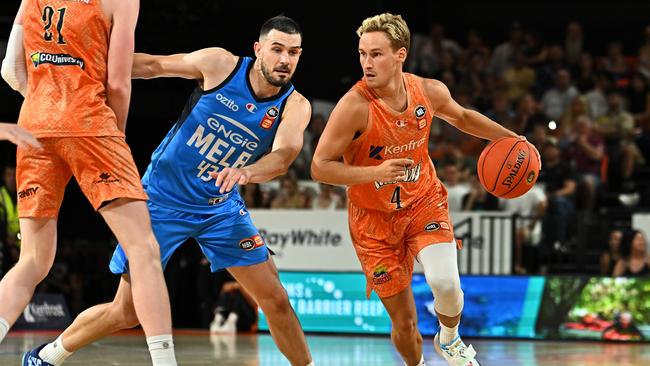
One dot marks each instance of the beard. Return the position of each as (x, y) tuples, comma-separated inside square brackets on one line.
[(275, 81)]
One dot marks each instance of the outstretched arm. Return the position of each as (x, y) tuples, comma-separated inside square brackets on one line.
[(466, 120), (349, 117), (286, 147), (198, 65)]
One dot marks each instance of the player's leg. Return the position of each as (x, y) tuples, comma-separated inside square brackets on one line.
[(99, 321), (263, 283), (92, 324), (41, 177), (230, 240), (388, 267), (404, 332), (37, 251), (109, 178)]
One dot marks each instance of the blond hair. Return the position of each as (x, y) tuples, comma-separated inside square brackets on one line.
[(393, 25)]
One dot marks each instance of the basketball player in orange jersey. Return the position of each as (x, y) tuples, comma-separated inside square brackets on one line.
[(397, 205), (72, 62)]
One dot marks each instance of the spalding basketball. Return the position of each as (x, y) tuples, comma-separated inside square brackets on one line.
[(508, 167)]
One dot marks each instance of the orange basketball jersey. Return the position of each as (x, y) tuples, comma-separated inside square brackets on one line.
[(66, 51), (390, 135)]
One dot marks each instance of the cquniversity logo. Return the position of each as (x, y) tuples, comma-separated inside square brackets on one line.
[(59, 59)]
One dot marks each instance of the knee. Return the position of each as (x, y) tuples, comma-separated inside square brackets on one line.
[(274, 302), (443, 284), (405, 325), (37, 266), (144, 248)]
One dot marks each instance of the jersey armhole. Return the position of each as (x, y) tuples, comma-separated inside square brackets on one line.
[(232, 74), (358, 136)]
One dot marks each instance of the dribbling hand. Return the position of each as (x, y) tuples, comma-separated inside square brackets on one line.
[(392, 170), (228, 177)]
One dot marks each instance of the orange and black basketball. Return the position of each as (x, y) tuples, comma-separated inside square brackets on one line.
[(508, 167)]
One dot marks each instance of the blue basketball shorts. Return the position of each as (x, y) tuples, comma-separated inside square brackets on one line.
[(227, 238)]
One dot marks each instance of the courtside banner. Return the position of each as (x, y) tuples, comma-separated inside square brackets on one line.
[(309, 240), (44, 311)]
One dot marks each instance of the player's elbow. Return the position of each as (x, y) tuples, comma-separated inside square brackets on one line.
[(316, 170), (118, 86)]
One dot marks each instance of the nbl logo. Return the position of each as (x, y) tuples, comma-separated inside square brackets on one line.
[(420, 111)]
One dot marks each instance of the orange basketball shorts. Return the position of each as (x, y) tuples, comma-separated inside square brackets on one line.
[(103, 167), (388, 242)]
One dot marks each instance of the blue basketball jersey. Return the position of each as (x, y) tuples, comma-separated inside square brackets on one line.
[(224, 127)]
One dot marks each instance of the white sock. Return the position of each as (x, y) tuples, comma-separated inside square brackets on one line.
[(448, 334), (4, 329), (54, 352), (161, 349), (311, 364)]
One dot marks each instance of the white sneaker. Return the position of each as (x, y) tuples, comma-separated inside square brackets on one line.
[(456, 353), (230, 325), (215, 326)]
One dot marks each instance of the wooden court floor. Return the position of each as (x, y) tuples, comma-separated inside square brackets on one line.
[(200, 348)]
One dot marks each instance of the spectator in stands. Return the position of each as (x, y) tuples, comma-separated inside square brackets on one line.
[(10, 240), (328, 198), (569, 120), (425, 59), (611, 253), (519, 78), (644, 55), (478, 199), (546, 74), (475, 46), (556, 100), (584, 73), (539, 135), (559, 180), (472, 78), (500, 110), (574, 45), (585, 154), (596, 97), (289, 196), (503, 54), (615, 63), (634, 259), (617, 129), (456, 189), (527, 115), (535, 51), (253, 196), (531, 208), (638, 97)]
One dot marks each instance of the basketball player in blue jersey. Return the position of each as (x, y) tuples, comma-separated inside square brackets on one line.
[(241, 109)]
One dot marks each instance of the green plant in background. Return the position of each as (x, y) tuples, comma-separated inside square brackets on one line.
[(560, 296), (607, 297)]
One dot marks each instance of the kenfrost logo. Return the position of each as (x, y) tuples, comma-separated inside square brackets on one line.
[(27, 192), (409, 146), (59, 59), (34, 312), (514, 168), (301, 237), (251, 107), (375, 152), (229, 103)]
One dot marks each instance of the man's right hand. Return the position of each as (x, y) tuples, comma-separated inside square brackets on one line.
[(19, 136), (392, 170)]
